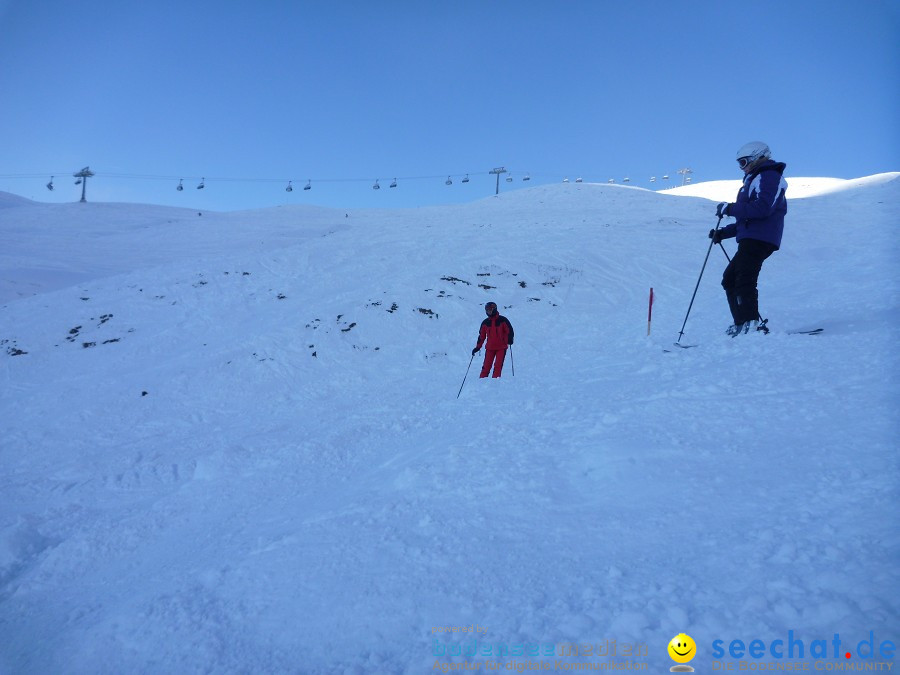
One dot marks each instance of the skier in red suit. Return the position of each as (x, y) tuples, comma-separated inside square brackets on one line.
[(498, 332)]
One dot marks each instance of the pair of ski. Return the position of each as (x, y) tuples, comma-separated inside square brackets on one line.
[(812, 331)]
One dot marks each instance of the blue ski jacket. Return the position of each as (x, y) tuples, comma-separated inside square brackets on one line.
[(760, 206)]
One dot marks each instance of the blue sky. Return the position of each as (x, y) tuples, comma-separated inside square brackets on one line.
[(250, 95)]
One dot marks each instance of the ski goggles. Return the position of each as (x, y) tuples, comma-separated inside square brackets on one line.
[(744, 162)]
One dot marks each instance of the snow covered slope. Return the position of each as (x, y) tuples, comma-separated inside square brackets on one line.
[(52, 246), (231, 442)]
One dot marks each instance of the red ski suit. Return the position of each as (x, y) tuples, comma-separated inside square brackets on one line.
[(498, 332)]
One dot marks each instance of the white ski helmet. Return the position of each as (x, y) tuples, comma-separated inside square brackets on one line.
[(752, 152)]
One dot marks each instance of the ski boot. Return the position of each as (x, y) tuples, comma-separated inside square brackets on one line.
[(749, 327)]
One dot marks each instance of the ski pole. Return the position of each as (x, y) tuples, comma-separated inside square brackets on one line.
[(711, 242), (512, 361), (725, 252), (466, 375)]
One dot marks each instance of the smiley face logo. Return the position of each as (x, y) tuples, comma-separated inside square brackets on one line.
[(682, 648)]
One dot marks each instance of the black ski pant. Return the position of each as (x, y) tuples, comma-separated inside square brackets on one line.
[(740, 277)]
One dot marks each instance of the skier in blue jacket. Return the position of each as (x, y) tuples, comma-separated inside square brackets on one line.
[(759, 210)]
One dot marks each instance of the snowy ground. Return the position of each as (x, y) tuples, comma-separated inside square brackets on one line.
[(231, 442)]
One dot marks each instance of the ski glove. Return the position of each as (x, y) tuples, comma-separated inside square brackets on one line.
[(716, 236), (510, 341), (475, 351), (722, 209)]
